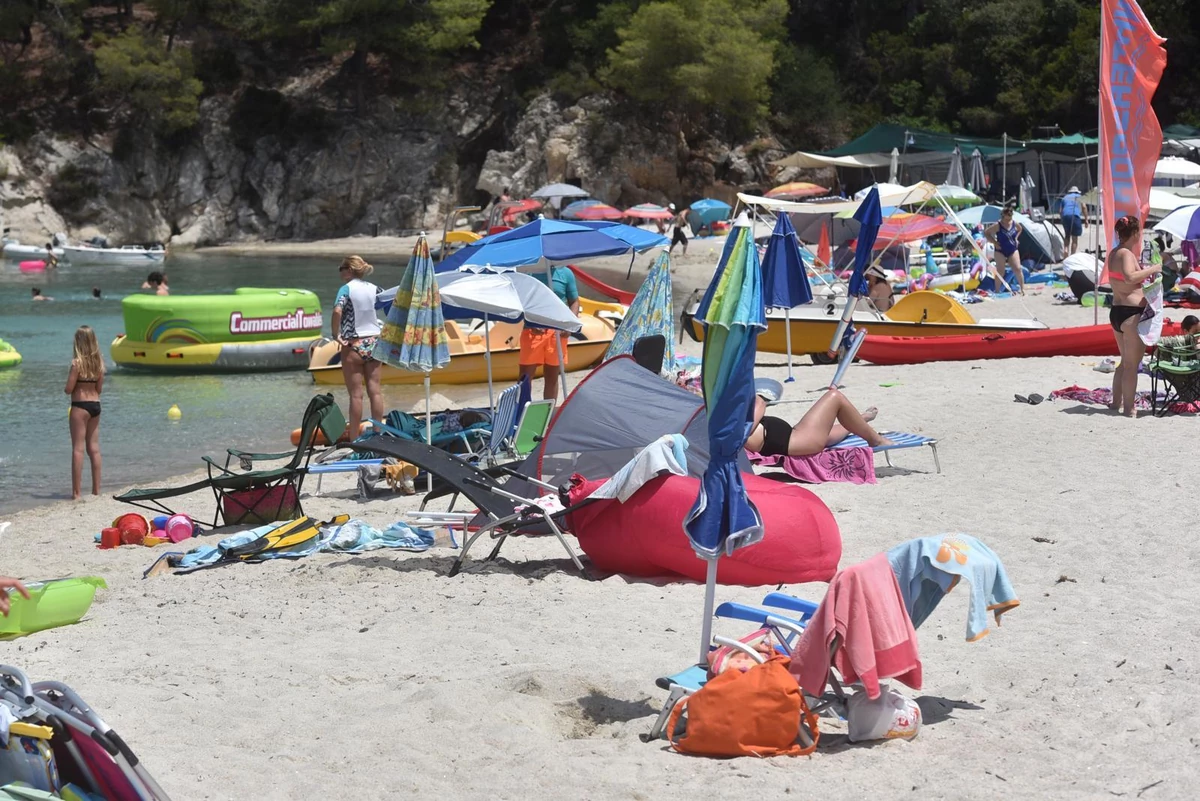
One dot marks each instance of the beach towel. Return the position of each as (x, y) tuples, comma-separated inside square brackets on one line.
[(667, 454), (848, 465), (1103, 397), (356, 536), (865, 608), (929, 567)]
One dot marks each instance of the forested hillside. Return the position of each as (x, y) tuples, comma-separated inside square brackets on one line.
[(814, 71)]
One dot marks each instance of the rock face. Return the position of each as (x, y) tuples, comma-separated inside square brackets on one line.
[(263, 165)]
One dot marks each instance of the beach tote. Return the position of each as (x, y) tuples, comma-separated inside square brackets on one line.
[(258, 505), (756, 713)]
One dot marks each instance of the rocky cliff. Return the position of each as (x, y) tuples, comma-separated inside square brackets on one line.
[(272, 165)]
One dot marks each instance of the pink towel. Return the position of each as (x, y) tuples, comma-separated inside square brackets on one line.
[(864, 606), (850, 465)]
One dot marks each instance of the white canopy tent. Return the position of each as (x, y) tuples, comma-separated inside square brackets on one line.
[(900, 196)]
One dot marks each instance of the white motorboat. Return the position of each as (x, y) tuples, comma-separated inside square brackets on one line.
[(84, 255), (15, 251)]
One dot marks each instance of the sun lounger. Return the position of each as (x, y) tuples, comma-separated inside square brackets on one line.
[(280, 486), (899, 440)]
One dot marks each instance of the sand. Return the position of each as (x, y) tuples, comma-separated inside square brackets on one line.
[(378, 676)]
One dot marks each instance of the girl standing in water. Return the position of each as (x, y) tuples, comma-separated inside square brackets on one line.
[(84, 383)]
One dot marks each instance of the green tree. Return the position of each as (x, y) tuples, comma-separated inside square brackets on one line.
[(700, 56), (144, 78)]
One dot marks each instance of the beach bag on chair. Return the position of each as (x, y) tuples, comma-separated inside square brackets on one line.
[(760, 712), (258, 505)]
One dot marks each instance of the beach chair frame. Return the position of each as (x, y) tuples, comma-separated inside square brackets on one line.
[(900, 441)]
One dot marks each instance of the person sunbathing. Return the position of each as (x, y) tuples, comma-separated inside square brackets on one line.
[(829, 421)]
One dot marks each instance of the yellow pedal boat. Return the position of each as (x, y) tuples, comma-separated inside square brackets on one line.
[(468, 361), (918, 314)]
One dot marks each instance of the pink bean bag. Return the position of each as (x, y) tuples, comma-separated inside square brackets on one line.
[(644, 536)]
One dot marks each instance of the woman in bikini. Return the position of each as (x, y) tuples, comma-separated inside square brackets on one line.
[(84, 383), (1126, 276), (356, 327), (830, 420)]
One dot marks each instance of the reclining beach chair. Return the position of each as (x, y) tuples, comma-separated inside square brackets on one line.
[(259, 495), (501, 513), (899, 440), (88, 753)]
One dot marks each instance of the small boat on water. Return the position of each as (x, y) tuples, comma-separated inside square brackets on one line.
[(89, 256), (468, 360), (252, 329), (15, 251), (1086, 340), (918, 314), (9, 357)]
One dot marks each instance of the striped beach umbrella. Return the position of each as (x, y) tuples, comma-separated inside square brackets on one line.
[(600, 211), (648, 211), (796, 191)]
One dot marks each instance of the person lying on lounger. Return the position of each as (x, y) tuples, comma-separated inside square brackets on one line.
[(830, 420)]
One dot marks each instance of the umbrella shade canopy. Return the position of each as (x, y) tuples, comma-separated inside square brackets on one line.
[(1183, 223), (1176, 167), (980, 215), (638, 239), (977, 180), (723, 518), (534, 245), (650, 313), (785, 281), (572, 211), (905, 227), (884, 189), (518, 207), (414, 334), (710, 210), (957, 195), (511, 295), (797, 190), (648, 211), (560, 190), (809, 226), (869, 221), (600, 211)]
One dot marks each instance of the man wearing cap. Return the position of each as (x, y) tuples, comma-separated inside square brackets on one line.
[(678, 236), (1074, 216)]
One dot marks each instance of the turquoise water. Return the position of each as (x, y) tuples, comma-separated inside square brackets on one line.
[(137, 442)]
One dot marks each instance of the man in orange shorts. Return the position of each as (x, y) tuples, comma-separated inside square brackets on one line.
[(540, 346)]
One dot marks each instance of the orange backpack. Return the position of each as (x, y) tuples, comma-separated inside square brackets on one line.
[(756, 713)]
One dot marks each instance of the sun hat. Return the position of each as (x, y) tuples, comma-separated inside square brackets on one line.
[(671, 206), (1073, 189), (877, 271)]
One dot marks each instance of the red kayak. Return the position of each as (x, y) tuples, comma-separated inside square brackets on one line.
[(1086, 340)]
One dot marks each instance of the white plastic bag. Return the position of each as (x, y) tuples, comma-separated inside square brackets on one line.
[(891, 716)]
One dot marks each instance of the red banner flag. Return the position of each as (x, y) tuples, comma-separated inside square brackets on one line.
[(1132, 59)]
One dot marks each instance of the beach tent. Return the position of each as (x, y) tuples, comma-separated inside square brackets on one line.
[(1040, 242), (708, 211)]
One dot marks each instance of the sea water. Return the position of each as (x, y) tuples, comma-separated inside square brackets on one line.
[(137, 441)]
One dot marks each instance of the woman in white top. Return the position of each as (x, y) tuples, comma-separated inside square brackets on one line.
[(356, 328)]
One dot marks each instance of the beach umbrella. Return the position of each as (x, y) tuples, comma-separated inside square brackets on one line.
[(894, 167), (956, 195), (414, 333), (1183, 223), (572, 211), (869, 220), (978, 178), (883, 189), (905, 227), (980, 215), (954, 176), (536, 245), (550, 191), (648, 211), (824, 248), (650, 313), (785, 281), (599, 211), (723, 518), (513, 208), (796, 190), (710, 210)]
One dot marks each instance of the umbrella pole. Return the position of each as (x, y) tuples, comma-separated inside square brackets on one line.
[(787, 322), (487, 356), (710, 595), (428, 430)]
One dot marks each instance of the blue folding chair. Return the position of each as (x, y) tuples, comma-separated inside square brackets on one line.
[(899, 440)]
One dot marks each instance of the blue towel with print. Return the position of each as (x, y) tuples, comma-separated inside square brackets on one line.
[(929, 567), (355, 536)]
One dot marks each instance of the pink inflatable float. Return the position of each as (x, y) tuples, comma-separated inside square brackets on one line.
[(32, 266), (644, 536)]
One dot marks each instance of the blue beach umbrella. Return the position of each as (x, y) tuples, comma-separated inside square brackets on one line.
[(785, 280), (536, 244), (414, 334), (649, 314), (710, 210), (723, 519), (869, 219)]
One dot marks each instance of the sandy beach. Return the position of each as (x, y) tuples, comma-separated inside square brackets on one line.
[(378, 676)]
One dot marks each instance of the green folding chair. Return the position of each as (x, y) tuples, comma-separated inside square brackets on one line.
[(531, 427)]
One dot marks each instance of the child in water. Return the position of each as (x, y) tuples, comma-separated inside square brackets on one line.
[(84, 383)]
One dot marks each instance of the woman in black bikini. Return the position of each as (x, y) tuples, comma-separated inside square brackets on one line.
[(830, 420), (1126, 276), (84, 383)]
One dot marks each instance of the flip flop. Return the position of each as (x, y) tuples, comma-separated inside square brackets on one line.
[(1020, 399)]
